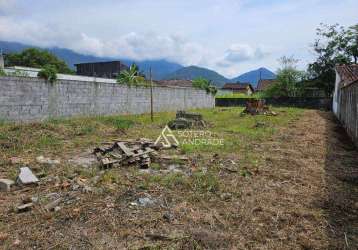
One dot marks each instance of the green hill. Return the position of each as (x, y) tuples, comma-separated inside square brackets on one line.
[(193, 72)]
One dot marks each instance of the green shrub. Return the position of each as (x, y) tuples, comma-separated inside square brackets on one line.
[(49, 73), (2, 72), (202, 83)]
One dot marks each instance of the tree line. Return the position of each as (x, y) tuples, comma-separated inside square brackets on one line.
[(334, 45)]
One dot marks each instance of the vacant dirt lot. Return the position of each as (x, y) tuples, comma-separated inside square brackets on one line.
[(284, 182)]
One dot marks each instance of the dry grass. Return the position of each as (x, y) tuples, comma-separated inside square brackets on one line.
[(293, 186)]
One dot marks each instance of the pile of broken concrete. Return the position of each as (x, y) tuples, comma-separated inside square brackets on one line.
[(140, 152)]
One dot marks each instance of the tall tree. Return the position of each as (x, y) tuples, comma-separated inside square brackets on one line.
[(335, 45), (36, 58), (352, 42), (289, 79)]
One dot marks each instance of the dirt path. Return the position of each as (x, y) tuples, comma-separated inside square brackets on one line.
[(310, 196)]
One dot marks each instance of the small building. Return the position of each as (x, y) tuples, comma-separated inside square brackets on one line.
[(244, 88), (345, 75), (264, 84), (101, 69)]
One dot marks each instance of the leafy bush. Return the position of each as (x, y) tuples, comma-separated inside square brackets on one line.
[(132, 77), (2, 72), (205, 84), (49, 73)]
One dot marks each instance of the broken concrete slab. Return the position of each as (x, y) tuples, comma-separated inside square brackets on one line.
[(26, 177), (121, 153), (124, 148), (6, 184)]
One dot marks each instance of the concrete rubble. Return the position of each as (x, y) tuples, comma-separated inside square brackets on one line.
[(26, 177), (6, 184), (139, 152)]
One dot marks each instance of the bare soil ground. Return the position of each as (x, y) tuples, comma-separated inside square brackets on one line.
[(300, 191)]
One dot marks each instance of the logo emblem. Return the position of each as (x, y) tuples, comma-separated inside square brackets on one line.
[(167, 138)]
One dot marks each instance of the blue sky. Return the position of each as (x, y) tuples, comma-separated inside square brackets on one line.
[(229, 36)]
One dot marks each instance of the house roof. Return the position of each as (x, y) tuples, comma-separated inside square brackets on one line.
[(174, 83), (348, 73), (263, 84), (237, 86)]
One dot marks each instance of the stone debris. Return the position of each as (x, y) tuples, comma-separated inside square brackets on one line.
[(145, 201), (24, 207), (52, 205), (26, 177), (45, 160), (6, 184), (120, 153), (56, 209), (185, 120)]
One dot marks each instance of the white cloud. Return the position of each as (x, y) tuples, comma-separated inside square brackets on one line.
[(243, 52), (136, 46), (7, 6), (143, 46)]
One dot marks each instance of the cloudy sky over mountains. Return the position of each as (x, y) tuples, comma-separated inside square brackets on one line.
[(229, 36)]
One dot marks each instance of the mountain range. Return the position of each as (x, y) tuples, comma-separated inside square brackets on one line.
[(161, 69)]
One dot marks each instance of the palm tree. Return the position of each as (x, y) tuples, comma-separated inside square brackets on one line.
[(131, 76)]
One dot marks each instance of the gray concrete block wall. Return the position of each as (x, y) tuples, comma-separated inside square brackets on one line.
[(27, 99)]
